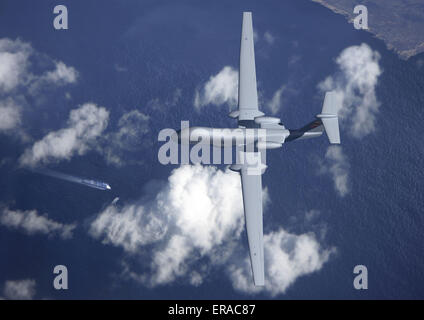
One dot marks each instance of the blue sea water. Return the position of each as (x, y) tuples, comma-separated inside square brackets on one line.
[(169, 45)]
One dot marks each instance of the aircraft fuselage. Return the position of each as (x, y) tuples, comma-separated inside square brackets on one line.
[(226, 137)]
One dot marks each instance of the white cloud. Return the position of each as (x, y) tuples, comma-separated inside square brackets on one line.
[(276, 102), (85, 131), (196, 279), (14, 68), (130, 228), (355, 84), (294, 60), (255, 36), (337, 165), (310, 215), (17, 81), (120, 68), (192, 226), (269, 38), (33, 223), (197, 211), (85, 125), (172, 261), (62, 74), (164, 105), (19, 289), (13, 63), (132, 126), (221, 88), (10, 115), (287, 257), (130, 137)]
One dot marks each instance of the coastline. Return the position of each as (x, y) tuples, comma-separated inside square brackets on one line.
[(398, 26)]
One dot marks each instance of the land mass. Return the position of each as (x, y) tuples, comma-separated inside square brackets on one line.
[(400, 24)]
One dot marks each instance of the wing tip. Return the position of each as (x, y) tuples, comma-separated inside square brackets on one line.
[(259, 279), (259, 283), (247, 16)]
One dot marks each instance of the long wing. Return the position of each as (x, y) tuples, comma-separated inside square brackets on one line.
[(251, 182), (248, 94)]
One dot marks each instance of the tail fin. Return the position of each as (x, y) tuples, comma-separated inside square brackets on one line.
[(329, 118)]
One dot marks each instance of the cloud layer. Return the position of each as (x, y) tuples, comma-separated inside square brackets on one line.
[(276, 102), (10, 114), (221, 88), (13, 63), (85, 125), (19, 289), (85, 131), (355, 83), (18, 80), (269, 38), (31, 223), (132, 127), (287, 257), (192, 226), (337, 165), (60, 76)]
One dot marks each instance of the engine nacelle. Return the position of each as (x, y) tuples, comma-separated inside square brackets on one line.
[(235, 167), (267, 120), (268, 145)]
